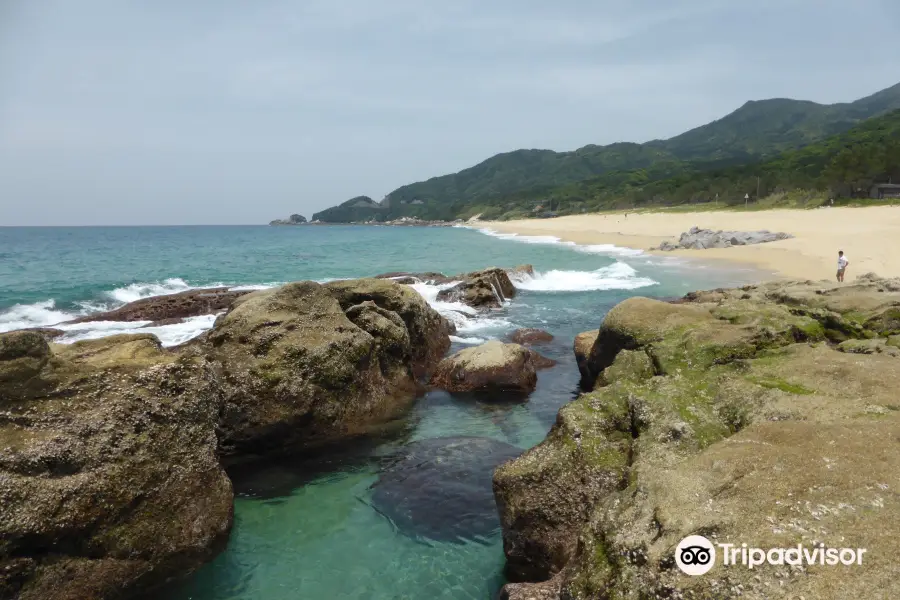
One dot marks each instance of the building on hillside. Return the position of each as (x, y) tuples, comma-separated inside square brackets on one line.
[(885, 190)]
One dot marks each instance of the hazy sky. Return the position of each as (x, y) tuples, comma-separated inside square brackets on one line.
[(241, 111)]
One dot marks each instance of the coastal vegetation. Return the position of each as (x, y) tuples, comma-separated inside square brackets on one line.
[(772, 147)]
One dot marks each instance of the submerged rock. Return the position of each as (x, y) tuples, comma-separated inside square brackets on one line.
[(109, 480), (733, 412), (530, 336), (490, 367), (440, 489)]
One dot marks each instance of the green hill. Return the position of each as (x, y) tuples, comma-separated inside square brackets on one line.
[(765, 127), (755, 131), (361, 208), (845, 165)]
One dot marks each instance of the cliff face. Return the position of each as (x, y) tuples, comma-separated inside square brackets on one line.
[(766, 415)]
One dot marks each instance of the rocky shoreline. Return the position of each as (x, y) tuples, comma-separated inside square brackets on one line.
[(111, 462), (747, 415)]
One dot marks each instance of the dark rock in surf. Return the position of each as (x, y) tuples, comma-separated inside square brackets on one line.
[(191, 303), (440, 489), (489, 288)]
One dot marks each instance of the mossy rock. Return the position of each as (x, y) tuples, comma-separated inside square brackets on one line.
[(629, 365), (886, 323), (744, 391), (23, 354), (868, 347), (302, 373), (111, 462)]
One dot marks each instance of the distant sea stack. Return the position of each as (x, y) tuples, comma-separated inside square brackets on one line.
[(292, 220)]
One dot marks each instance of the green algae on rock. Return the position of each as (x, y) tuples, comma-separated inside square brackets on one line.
[(109, 479), (732, 414), (301, 372), (110, 449)]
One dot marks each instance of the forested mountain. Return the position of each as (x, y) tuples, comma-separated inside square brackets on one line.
[(765, 127), (752, 133), (841, 166)]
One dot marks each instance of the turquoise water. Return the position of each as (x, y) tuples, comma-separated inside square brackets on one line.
[(306, 527)]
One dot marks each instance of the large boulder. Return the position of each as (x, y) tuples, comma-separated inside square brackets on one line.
[(307, 364), (490, 367), (191, 303), (732, 415), (109, 480)]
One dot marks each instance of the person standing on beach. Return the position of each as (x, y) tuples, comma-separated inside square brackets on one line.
[(842, 265)]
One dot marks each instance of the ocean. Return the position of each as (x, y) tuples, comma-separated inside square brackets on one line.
[(306, 527)]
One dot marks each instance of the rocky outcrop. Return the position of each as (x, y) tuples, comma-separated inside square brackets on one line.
[(191, 303), (701, 239), (530, 336), (292, 220), (490, 367), (743, 415), (109, 480), (110, 449), (489, 288), (306, 364)]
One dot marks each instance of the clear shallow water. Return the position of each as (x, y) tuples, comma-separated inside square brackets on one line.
[(307, 528)]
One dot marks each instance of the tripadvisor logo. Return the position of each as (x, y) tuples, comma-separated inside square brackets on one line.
[(696, 555)]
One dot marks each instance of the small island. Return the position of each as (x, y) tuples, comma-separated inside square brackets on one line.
[(292, 220)]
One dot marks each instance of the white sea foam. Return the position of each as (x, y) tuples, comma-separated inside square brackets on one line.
[(467, 340), (617, 276), (467, 320), (39, 314), (169, 335), (137, 291), (610, 249), (46, 314)]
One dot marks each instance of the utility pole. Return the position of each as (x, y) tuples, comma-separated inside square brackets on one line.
[(746, 200), (757, 188)]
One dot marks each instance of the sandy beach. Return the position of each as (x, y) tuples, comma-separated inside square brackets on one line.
[(870, 237)]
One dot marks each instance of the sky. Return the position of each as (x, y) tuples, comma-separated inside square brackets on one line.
[(116, 112)]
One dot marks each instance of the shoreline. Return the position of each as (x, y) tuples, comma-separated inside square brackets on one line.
[(870, 237)]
